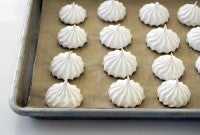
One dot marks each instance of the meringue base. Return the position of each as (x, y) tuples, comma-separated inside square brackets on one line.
[(94, 82)]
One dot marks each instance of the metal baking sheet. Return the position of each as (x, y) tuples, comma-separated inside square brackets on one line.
[(28, 91)]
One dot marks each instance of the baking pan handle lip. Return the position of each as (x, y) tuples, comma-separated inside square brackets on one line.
[(15, 83)]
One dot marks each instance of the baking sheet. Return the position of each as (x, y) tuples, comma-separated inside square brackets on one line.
[(94, 82)]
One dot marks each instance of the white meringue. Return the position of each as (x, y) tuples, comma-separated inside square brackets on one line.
[(72, 37), (72, 14), (173, 93), (115, 36), (168, 67), (193, 38), (154, 14), (120, 63), (189, 14), (63, 95), (197, 64), (126, 93), (67, 65), (162, 40), (111, 11)]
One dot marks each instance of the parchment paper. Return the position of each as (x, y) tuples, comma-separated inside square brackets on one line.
[(94, 82)]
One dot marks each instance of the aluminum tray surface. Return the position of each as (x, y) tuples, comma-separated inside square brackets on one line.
[(39, 45)]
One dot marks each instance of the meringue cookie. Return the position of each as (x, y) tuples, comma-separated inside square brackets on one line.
[(72, 37), (63, 95), (72, 14), (115, 36), (173, 93), (111, 11), (193, 38), (120, 63), (162, 40), (126, 93), (154, 14), (197, 64), (189, 14), (168, 67), (67, 65)]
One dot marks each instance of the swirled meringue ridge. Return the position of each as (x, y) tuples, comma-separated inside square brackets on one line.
[(111, 11), (63, 95), (72, 37), (72, 14), (193, 38), (162, 40), (168, 67), (115, 36), (173, 93), (67, 65), (126, 93), (154, 14), (120, 63), (189, 14)]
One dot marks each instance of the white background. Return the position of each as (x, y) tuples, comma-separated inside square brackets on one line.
[(12, 14)]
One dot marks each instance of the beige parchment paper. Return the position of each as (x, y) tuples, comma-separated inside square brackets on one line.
[(94, 82)]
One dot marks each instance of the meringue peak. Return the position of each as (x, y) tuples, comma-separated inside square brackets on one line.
[(122, 51), (73, 4), (157, 4), (70, 54), (176, 83), (65, 84), (172, 59), (165, 28), (113, 1), (65, 81), (165, 31), (74, 27), (195, 3), (118, 27), (128, 80), (171, 54)]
